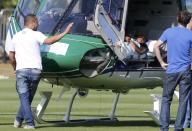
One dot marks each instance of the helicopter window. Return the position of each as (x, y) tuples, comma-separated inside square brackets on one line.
[(80, 14), (85, 7), (30, 7), (19, 17), (21, 3), (51, 14), (189, 5), (115, 10), (106, 5), (26, 7)]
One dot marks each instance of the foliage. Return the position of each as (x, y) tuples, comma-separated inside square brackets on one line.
[(8, 3)]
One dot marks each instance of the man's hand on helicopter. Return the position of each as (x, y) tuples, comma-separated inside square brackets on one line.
[(57, 37), (69, 27)]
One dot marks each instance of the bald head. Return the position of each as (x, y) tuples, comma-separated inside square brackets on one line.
[(31, 22)]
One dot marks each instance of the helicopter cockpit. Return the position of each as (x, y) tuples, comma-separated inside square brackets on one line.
[(58, 14), (54, 16)]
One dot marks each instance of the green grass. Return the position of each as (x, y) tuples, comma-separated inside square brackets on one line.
[(96, 104)]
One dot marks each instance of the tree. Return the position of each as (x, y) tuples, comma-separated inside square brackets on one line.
[(8, 3)]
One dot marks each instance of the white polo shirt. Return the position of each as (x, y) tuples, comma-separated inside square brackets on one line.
[(26, 45)]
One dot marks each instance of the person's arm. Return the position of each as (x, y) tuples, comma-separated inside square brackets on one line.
[(12, 59), (158, 54), (189, 25), (55, 38), (140, 50)]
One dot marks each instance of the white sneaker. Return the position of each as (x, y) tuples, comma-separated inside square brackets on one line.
[(28, 127), (17, 124)]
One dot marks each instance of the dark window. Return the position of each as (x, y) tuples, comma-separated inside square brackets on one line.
[(140, 22), (141, 2), (167, 2)]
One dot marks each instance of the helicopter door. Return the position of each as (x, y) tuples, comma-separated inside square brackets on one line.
[(110, 19)]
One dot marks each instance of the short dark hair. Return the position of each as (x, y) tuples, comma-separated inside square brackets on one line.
[(142, 36), (29, 18), (184, 17)]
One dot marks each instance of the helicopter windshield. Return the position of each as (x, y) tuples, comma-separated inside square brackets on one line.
[(51, 14), (80, 15), (56, 15)]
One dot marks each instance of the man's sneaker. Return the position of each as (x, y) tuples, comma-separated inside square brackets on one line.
[(28, 127), (17, 124)]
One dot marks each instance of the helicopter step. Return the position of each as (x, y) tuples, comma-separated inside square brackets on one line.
[(155, 114), (156, 108)]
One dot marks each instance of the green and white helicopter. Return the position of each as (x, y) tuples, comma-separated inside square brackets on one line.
[(88, 58)]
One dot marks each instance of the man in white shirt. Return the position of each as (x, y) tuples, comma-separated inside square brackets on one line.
[(25, 57)]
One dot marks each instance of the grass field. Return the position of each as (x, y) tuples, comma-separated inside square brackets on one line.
[(96, 104)]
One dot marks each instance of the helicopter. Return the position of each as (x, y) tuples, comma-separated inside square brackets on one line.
[(88, 58)]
